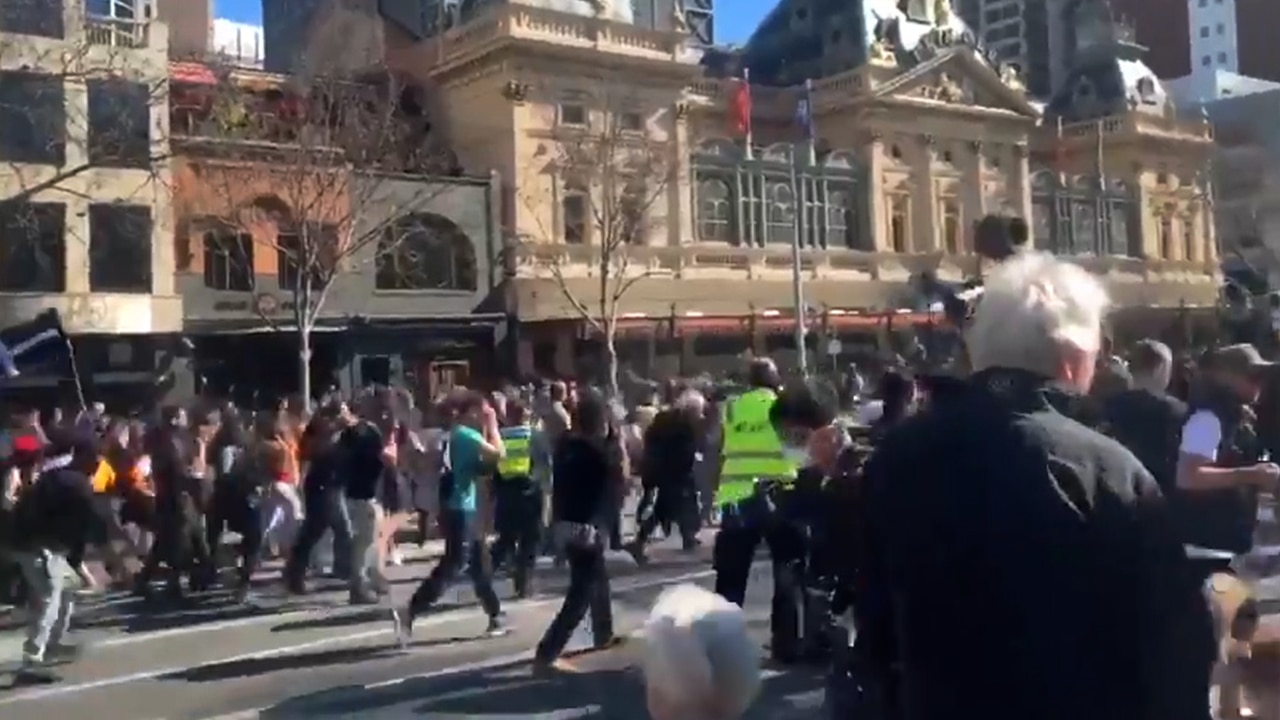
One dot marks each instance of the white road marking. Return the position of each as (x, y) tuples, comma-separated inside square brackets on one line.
[(437, 619)]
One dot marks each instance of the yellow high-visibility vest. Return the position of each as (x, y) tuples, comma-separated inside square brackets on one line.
[(752, 450), (516, 462)]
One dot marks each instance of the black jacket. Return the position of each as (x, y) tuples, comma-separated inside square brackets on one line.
[(58, 513), (1150, 425), (1016, 564), (585, 473)]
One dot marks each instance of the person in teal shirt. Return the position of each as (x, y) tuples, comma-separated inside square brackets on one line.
[(474, 446)]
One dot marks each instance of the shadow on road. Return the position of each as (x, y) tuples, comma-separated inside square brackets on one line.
[(604, 689)]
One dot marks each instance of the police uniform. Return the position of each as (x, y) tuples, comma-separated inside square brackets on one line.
[(518, 508), (754, 497)]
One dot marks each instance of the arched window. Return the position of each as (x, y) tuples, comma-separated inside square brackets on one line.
[(840, 219), (228, 260), (715, 211), (426, 251), (574, 210), (781, 214), (633, 209), (1043, 189)]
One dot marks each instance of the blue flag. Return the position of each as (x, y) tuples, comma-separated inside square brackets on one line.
[(804, 111)]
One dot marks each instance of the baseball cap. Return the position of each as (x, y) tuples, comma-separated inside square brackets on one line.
[(1240, 359)]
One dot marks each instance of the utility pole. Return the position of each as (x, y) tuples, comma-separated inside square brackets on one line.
[(797, 279)]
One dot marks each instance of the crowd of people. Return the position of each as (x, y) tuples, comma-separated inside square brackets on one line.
[(1055, 532)]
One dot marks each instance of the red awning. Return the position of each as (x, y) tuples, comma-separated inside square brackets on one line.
[(191, 72)]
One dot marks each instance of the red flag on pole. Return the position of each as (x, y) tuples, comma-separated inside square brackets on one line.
[(740, 107)]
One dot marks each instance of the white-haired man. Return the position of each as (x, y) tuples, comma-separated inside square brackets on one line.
[(698, 659), (1016, 563)]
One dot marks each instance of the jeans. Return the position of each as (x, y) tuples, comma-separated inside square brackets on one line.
[(325, 511), (50, 600), (232, 509), (461, 547), (366, 571), (282, 513), (588, 591), (518, 520)]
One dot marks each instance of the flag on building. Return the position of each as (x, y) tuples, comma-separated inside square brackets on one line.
[(740, 107), (34, 343), (804, 111)]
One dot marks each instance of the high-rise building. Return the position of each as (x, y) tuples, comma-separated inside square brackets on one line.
[(1018, 32), (661, 15)]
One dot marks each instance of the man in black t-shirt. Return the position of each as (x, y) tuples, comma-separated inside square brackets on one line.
[(1146, 418), (363, 457)]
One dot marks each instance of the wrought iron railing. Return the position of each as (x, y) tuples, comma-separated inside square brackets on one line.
[(117, 32)]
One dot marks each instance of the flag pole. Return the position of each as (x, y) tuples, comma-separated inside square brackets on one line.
[(75, 376)]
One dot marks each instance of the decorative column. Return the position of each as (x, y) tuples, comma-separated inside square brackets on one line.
[(972, 191), (680, 191), (1020, 178), (876, 221), (924, 210)]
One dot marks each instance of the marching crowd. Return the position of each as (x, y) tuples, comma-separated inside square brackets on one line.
[(1055, 534)]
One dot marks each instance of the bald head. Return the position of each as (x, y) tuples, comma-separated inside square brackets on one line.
[(1151, 364)]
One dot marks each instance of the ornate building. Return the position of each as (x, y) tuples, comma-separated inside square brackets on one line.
[(909, 133)]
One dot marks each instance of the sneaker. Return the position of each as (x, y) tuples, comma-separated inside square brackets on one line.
[(402, 623), (35, 674), (498, 626), (62, 652), (396, 558)]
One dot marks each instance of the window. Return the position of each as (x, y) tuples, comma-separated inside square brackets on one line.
[(1204, 3), (574, 210), (631, 122), (228, 260), (952, 240), (34, 117), (1221, 29), (1204, 31), (1222, 58), (839, 217), (1165, 236), (310, 250), (33, 257), (633, 206), (1188, 241), (900, 222), (715, 211), (426, 251), (572, 114), (119, 123), (25, 17), (119, 248), (781, 215)]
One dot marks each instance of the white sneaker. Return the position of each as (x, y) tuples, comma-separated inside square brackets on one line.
[(402, 624), (396, 558)]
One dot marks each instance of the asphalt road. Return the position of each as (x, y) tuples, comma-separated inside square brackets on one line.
[(317, 658)]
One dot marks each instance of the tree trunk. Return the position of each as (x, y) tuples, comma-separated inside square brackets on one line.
[(611, 361), (304, 367)]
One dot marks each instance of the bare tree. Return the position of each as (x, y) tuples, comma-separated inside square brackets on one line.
[(304, 171), (73, 101), (616, 169)]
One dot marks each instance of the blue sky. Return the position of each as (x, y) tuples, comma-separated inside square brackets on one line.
[(731, 26)]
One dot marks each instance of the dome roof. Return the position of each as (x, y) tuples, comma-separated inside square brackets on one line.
[(619, 10), (803, 39)]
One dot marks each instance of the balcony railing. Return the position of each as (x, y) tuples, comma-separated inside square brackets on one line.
[(116, 32)]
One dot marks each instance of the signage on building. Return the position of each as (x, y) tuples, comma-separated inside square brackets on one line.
[(264, 304)]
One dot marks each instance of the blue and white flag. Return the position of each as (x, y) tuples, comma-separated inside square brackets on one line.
[(27, 345), (804, 111)]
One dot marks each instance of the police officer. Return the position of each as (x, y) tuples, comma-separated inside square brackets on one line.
[(518, 502), (1220, 472), (756, 482)]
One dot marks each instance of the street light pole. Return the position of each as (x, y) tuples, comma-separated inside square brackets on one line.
[(797, 280)]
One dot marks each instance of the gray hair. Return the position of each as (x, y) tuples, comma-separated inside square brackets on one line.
[(1032, 306), (691, 401), (698, 659)]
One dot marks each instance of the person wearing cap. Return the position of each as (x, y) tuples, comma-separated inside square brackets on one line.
[(53, 522), (1221, 470)]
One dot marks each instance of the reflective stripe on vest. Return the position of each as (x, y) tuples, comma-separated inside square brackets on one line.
[(516, 461), (752, 450)]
